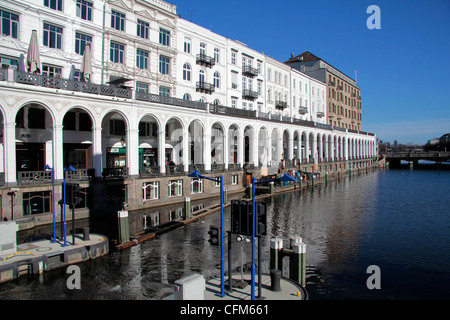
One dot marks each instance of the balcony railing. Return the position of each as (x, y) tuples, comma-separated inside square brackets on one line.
[(115, 172), (71, 85), (214, 108), (320, 114), (33, 177), (144, 96), (205, 60), (249, 94), (250, 71), (205, 87), (281, 105), (303, 110)]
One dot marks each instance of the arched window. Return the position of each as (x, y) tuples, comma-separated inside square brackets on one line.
[(187, 72), (216, 102), (186, 96), (201, 76), (216, 79)]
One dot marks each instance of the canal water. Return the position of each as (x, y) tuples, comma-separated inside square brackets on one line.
[(396, 219)]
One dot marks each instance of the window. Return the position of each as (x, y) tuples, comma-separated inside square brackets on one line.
[(36, 202), (164, 63), (187, 97), (151, 190), (233, 57), (84, 10), (197, 185), (203, 49), (187, 45), (175, 188), (53, 4), (187, 72), (52, 36), (142, 87), (6, 62), (233, 102), (116, 127), (201, 76), (164, 91), (142, 29), (164, 37), (9, 24), (217, 55), (141, 59), (51, 71), (216, 79), (117, 20), (116, 52), (81, 41), (234, 179)]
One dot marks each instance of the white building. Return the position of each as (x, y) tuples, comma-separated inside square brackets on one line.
[(163, 90)]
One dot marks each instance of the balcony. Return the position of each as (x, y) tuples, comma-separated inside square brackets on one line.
[(249, 94), (204, 60), (205, 87), (281, 105), (249, 71), (320, 114), (145, 96), (71, 85), (303, 110)]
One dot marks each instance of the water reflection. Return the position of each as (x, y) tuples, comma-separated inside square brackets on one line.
[(386, 218)]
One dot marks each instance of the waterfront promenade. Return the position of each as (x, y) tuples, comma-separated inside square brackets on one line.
[(39, 256)]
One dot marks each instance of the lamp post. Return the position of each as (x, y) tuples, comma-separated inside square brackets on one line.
[(47, 167), (196, 174), (64, 203), (285, 177)]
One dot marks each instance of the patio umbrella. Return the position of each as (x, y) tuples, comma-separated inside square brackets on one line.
[(33, 59), (86, 64)]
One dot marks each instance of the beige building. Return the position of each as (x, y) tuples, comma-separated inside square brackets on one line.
[(343, 93)]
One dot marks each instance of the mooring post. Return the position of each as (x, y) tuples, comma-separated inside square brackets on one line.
[(187, 208), (124, 230), (225, 196), (276, 245), (272, 187), (300, 253)]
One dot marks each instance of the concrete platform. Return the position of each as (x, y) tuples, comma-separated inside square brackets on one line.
[(39, 256), (289, 289)]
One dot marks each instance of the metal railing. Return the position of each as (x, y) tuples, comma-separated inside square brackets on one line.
[(71, 85)]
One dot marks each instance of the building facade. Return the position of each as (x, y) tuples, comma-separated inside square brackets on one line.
[(343, 94), (165, 97)]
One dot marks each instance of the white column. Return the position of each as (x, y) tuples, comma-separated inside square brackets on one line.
[(254, 149), (207, 148), (162, 151), (97, 151), (225, 150), (57, 150), (132, 151), (186, 150), (9, 152), (240, 155)]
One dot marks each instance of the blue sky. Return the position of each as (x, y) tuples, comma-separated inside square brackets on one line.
[(403, 69)]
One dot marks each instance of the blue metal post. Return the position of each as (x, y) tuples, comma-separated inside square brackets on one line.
[(222, 260), (53, 200), (53, 205), (253, 237), (64, 205)]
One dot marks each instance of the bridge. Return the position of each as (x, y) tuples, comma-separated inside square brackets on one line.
[(413, 157)]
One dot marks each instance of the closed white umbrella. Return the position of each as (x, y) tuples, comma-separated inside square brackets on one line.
[(33, 59), (86, 64)]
